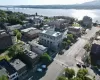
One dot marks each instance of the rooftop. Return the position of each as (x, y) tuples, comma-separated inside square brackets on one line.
[(17, 64), (51, 32), (31, 31), (96, 42), (28, 29), (40, 47), (75, 27), (3, 33), (13, 27), (31, 54), (9, 68)]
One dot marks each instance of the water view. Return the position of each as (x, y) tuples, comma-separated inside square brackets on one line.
[(94, 14)]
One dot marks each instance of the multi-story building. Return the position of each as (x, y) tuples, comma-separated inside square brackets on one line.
[(5, 40), (8, 70), (75, 30), (30, 58), (95, 50), (51, 39), (19, 66), (30, 33), (87, 21)]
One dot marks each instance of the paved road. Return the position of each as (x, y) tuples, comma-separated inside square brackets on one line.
[(69, 58)]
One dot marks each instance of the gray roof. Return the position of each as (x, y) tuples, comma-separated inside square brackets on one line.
[(17, 64), (13, 27), (31, 31), (34, 44), (3, 33), (31, 54), (51, 32)]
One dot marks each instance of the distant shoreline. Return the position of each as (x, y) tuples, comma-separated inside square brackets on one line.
[(87, 7)]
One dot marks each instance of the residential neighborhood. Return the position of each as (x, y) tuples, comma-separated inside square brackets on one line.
[(35, 47)]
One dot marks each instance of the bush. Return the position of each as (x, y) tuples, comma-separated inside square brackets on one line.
[(62, 78), (69, 73)]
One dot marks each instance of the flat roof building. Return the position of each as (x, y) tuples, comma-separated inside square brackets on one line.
[(11, 71), (19, 66), (37, 48)]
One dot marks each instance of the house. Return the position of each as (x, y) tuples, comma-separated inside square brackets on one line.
[(5, 40), (8, 70), (75, 30), (19, 66), (13, 27), (30, 33), (87, 21), (37, 48), (30, 58), (51, 39)]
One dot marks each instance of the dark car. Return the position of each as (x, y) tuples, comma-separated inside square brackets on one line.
[(78, 65), (84, 66)]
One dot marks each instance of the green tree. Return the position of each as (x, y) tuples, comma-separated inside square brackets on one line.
[(64, 44), (76, 78), (87, 78), (45, 58), (68, 42), (87, 47), (82, 73), (70, 37), (3, 78), (19, 35), (69, 73), (15, 49), (62, 78), (15, 31)]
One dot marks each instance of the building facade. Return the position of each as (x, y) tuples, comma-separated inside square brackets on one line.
[(51, 39), (87, 21), (5, 40)]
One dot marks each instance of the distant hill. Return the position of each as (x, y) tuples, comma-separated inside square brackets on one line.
[(96, 2), (87, 5)]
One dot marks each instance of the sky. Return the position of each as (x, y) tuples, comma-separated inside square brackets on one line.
[(41, 2)]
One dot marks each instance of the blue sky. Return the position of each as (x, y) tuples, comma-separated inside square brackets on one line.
[(40, 2)]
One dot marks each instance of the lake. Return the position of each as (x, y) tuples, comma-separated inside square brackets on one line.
[(79, 14)]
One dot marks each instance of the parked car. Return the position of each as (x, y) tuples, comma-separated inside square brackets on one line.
[(84, 66), (78, 65), (39, 70)]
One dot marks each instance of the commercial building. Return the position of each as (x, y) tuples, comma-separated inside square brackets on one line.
[(51, 39)]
